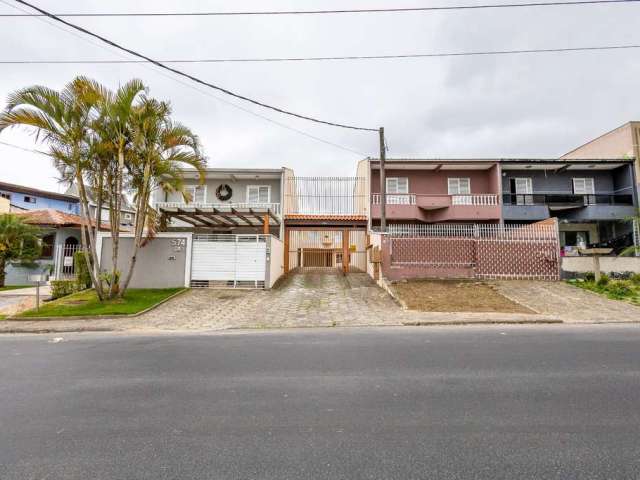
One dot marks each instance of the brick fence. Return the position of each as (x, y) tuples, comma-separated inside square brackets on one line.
[(478, 251)]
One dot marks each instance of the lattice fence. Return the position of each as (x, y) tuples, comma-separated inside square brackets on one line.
[(482, 251)]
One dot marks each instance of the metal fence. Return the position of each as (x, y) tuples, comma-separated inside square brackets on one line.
[(63, 264), (476, 251), (326, 196)]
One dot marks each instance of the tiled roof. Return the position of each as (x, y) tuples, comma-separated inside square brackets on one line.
[(51, 217), (350, 218)]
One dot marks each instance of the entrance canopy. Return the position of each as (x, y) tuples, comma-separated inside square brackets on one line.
[(228, 216)]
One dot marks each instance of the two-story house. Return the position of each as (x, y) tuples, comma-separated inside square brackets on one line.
[(23, 198), (592, 199), (127, 211), (436, 191)]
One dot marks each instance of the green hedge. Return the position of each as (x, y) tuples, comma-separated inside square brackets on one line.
[(62, 288)]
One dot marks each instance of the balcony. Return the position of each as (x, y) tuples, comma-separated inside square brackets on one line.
[(438, 208), (538, 206)]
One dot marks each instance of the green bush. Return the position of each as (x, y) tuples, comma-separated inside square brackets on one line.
[(619, 289), (603, 281), (589, 277), (62, 288), (83, 277), (635, 278)]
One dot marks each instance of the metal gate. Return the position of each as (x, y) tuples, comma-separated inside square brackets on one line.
[(229, 261), (326, 250)]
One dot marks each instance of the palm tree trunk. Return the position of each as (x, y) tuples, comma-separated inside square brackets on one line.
[(141, 215), (90, 254), (3, 265), (115, 224)]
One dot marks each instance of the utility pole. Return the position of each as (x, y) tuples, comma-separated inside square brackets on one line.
[(383, 183)]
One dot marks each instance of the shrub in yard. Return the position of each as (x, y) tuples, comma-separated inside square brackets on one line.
[(62, 288), (635, 278), (619, 289), (83, 277), (589, 277), (603, 281)]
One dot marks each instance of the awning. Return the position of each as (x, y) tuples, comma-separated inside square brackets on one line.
[(221, 217)]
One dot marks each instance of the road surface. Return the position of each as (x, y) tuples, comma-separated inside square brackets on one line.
[(543, 402)]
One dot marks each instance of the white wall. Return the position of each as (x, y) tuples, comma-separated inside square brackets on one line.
[(276, 262), (607, 264)]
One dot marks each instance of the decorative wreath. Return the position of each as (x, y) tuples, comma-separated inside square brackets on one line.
[(224, 192)]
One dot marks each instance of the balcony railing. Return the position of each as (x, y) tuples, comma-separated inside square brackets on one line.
[(454, 200), (325, 196), (225, 207), (566, 199)]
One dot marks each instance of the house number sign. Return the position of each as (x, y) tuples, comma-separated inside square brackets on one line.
[(178, 244)]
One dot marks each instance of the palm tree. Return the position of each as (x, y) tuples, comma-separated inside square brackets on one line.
[(63, 120), (18, 243), (160, 148), (113, 130)]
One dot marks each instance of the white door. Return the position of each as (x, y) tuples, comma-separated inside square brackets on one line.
[(229, 261)]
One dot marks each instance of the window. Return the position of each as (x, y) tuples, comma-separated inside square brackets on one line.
[(459, 186), (258, 194), (47, 246), (523, 190), (28, 199), (6, 195), (586, 187), (397, 185), (197, 193)]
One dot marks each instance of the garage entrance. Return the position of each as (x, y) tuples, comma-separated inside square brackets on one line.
[(327, 249), (229, 261)]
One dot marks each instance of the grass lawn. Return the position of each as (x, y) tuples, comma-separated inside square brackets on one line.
[(626, 290), (86, 303), (15, 287)]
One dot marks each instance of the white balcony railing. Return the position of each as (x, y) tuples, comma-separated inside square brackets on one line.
[(395, 199), (475, 200), (411, 199), (225, 207)]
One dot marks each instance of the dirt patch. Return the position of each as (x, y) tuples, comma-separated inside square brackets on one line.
[(455, 296)]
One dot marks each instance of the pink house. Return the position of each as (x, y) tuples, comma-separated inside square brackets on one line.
[(434, 191)]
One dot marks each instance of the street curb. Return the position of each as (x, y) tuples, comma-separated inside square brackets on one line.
[(96, 317), (483, 322)]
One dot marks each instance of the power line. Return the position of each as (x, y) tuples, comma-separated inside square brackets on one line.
[(191, 77), (322, 12), (317, 59), (30, 150), (190, 85)]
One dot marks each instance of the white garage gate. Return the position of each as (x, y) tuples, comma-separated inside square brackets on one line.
[(229, 261)]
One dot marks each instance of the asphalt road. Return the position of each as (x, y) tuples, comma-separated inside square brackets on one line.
[(543, 402)]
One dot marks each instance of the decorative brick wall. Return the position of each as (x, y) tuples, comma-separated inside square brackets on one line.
[(478, 251)]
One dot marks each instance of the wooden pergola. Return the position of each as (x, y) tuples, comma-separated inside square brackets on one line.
[(220, 217)]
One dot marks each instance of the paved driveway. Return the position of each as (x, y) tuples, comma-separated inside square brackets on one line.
[(310, 299)]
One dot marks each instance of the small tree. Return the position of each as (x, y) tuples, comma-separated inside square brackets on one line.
[(18, 243), (635, 224)]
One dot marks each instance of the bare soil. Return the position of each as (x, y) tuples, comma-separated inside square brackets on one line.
[(455, 296)]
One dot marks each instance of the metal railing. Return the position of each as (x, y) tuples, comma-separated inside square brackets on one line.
[(473, 230), (485, 199), (325, 196), (225, 207), (63, 263), (566, 199)]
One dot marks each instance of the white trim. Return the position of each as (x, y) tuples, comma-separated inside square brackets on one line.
[(258, 187)]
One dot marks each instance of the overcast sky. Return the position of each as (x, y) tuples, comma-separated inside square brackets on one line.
[(525, 105)]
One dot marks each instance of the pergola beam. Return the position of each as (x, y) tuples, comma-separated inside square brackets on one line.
[(257, 216), (225, 217), (275, 219), (242, 217)]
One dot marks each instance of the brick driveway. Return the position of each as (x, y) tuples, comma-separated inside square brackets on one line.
[(310, 299)]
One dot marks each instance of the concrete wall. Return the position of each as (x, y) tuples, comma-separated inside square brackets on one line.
[(607, 264), (163, 263), (276, 260)]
